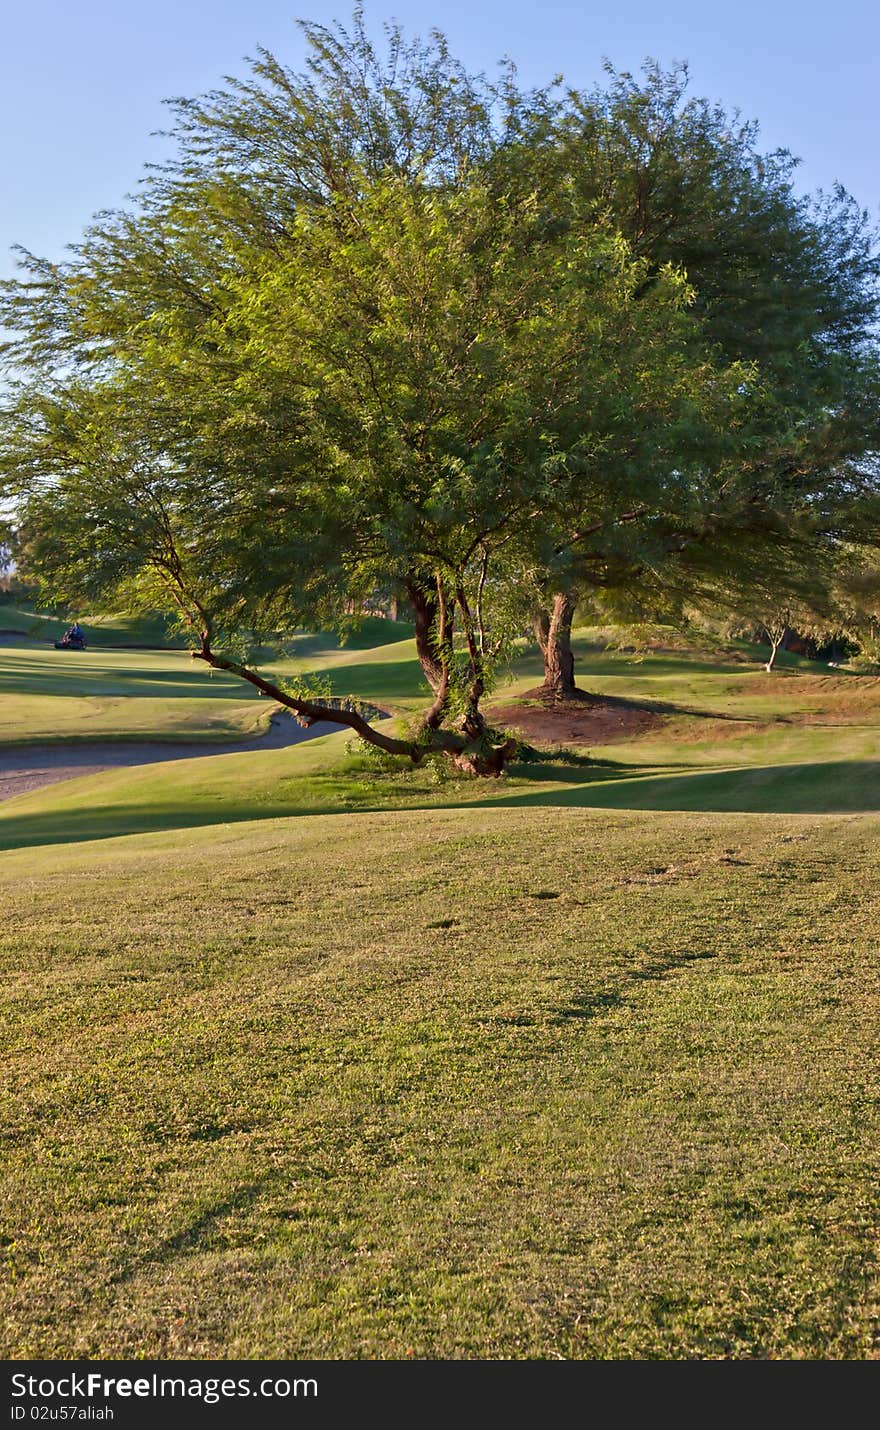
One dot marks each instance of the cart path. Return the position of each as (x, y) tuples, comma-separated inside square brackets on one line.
[(27, 767)]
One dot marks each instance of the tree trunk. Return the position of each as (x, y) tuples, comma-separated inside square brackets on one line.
[(777, 643), (426, 609), (553, 630)]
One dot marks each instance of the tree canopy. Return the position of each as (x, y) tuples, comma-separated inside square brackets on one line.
[(388, 321)]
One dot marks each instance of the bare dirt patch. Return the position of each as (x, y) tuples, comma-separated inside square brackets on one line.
[(592, 720)]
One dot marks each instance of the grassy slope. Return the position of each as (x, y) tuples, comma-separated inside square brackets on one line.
[(101, 630), (468, 1083), (164, 695), (101, 695), (158, 630), (524, 1078), (800, 741)]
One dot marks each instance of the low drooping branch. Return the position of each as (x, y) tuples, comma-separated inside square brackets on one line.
[(473, 757), (310, 712)]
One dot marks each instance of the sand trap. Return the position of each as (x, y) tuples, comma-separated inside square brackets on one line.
[(28, 767)]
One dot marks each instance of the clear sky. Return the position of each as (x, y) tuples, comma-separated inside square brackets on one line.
[(81, 81)]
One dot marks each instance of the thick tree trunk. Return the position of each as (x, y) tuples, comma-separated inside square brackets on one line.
[(553, 630)]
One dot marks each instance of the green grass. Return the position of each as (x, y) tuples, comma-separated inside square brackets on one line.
[(464, 1083), (159, 630), (110, 695), (101, 631), (305, 1060), (805, 741), (165, 695), (319, 777), (99, 694)]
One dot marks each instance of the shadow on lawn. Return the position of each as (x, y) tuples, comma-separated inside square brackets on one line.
[(87, 673), (605, 1003), (838, 787), (830, 787)]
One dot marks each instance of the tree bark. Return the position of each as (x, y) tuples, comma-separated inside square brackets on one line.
[(426, 611), (553, 631)]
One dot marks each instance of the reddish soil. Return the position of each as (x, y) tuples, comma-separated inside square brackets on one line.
[(592, 720)]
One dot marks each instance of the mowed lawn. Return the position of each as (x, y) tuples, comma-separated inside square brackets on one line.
[(164, 695), (309, 1060), (49, 696), (729, 738), (458, 1083)]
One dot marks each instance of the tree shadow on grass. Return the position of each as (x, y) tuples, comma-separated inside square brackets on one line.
[(191, 1238), (87, 675), (834, 787), (827, 787)]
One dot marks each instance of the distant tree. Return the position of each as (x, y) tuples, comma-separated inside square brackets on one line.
[(792, 601), (857, 597), (777, 625)]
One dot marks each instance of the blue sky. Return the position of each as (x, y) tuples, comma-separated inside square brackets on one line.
[(81, 81)]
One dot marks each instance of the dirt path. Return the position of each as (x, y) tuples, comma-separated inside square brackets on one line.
[(30, 767)]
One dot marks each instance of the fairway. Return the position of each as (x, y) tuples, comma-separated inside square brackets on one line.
[(727, 738), (109, 695), (501, 1083), (117, 694), (308, 1059)]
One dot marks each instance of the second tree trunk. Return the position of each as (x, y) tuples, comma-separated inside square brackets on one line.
[(553, 629)]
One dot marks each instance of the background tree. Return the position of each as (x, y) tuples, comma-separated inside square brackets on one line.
[(783, 282)]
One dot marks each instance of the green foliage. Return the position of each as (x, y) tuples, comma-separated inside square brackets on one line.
[(387, 324)]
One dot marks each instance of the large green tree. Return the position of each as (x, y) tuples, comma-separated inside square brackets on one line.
[(389, 321), (410, 388)]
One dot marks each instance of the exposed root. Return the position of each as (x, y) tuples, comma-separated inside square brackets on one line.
[(485, 761)]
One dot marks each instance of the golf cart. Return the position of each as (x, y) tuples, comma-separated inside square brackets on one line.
[(74, 638)]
